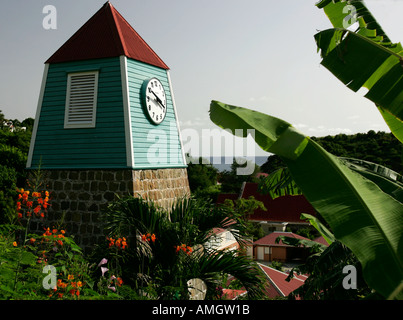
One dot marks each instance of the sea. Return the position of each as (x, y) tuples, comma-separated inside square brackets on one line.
[(224, 163)]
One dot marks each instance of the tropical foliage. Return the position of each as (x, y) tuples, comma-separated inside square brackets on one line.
[(326, 267), (166, 250), (362, 217)]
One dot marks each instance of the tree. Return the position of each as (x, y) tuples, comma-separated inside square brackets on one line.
[(201, 176), (1, 119), (272, 164), (231, 181), (244, 208)]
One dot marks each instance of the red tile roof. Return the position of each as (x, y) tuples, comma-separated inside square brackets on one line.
[(270, 239), (278, 285), (106, 34), (231, 294), (321, 240), (281, 209)]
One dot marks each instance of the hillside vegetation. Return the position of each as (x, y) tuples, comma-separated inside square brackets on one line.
[(377, 147)]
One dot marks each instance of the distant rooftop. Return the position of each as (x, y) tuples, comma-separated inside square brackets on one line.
[(270, 239)]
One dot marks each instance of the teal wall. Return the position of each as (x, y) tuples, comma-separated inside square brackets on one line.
[(100, 147), (154, 146)]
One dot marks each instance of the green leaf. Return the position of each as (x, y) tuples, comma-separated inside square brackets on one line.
[(28, 258), (301, 242), (279, 183), (315, 222), (367, 220), (338, 12), (364, 59), (388, 180), (395, 125)]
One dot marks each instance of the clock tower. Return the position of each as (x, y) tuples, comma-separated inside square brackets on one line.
[(106, 125)]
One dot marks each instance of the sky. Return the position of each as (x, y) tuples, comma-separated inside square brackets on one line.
[(258, 54)]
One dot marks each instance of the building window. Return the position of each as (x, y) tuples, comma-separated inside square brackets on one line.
[(81, 100)]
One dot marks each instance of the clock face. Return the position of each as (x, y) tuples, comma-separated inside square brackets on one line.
[(154, 100)]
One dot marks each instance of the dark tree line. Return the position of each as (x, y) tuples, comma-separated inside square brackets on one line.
[(377, 147)]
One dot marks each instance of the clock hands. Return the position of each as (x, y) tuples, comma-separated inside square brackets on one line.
[(158, 99)]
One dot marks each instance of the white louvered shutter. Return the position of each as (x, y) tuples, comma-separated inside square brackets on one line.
[(81, 100)]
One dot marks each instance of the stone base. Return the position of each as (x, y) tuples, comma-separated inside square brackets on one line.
[(81, 195)]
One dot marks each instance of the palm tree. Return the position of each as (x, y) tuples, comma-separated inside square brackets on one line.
[(168, 248)]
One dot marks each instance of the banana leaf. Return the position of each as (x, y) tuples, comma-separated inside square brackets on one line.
[(364, 59), (315, 222), (388, 180), (278, 183), (359, 213), (337, 12)]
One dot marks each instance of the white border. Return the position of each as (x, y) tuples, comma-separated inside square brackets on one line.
[(176, 118), (37, 115), (127, 115)]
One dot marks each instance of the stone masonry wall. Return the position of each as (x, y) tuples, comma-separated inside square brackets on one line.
[(82, 195)]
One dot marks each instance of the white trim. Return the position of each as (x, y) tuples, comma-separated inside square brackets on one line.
[(88, 124), (127, 115), (176, 118), (37, 115)]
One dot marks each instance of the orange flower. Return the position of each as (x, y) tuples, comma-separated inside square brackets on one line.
[(124, 244), (60, 242), (37, 209), (14, 243), (119, 281), (118, 242), (153, 237), (186, 249), (79, 284), (54, 230), (70, 277), (32, 240)]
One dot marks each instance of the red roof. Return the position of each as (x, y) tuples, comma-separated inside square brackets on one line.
[(278, 285), (270, 239), (231, 294), (106, 34), (321, 240), (281, 209)]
